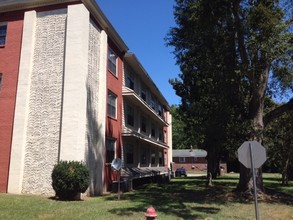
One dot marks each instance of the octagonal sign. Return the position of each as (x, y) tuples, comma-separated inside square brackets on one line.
[(258, 153)]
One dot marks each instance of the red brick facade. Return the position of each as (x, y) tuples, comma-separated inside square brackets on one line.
[(9, 64)]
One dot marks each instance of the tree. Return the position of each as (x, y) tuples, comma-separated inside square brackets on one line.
[(180, 133), (279, 139), (228, 51)]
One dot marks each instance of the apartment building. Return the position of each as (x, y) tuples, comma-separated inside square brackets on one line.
[(146, 130), (69, 90)]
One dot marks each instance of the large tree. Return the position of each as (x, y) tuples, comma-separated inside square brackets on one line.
[(279, 141), (228, 52)]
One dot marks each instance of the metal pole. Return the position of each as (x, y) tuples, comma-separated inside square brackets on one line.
[(118, 184), (254, 183)]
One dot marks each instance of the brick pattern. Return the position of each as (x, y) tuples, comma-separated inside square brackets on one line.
[(44, 117), (10, 54)]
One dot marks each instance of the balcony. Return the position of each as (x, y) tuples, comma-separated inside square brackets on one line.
[(133, 98), (127, 132)]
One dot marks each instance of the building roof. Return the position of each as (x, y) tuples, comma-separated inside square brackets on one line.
[(91, 5), (189, 153)]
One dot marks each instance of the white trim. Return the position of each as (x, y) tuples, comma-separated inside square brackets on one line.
[(73, 135), (22, 104)]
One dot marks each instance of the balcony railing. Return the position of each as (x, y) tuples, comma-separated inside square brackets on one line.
[(130, 95), (127, 132)]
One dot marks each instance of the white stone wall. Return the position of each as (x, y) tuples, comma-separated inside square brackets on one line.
[(43, 126), (22, 103), (93, 151)]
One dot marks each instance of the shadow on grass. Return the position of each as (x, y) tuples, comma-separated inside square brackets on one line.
[(182, 197), (189, 198)]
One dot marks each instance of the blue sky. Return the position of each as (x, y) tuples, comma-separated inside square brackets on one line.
[(143, 25)]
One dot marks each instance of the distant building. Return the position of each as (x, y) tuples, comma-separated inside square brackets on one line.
[(193, 160), (70, 90), (190, 159)]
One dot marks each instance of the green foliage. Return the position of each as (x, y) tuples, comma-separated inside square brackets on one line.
[(279, 142), (70, 178), (232, 54)]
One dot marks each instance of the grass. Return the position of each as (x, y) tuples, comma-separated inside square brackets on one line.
[(182, 198)]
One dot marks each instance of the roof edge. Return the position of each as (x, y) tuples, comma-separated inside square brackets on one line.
[(91, 5)]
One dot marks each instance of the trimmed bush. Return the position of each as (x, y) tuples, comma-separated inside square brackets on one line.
[(70, 178)]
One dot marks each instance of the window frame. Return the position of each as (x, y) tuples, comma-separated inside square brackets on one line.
[(110, 147), (130, 80), (182, 159), (143, 124), (111, 106), (112, 63), (153, 130), (143, 92), (129, 153), (161, 158), (153, 158), (1, 80), (130, 116), (3, 33)]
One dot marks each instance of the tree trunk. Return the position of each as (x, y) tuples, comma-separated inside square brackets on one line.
[(246, 180), (213, 168), (285, 178), (256, 107)]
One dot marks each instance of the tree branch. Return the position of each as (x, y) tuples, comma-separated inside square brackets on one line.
[(277, 112), (240, 38)]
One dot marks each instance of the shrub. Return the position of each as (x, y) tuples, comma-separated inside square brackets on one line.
[(70, 178)]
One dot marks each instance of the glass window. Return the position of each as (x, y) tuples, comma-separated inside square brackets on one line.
[(143, 92), (143, 124), (130, 116), (153, 131), (3, 32), (153, 158), (153, 103), (161, 159), (161, 136), (112, 103), (1, 81), (112, 61), (143, 158), (110, 154), (160, 110), (129, 154), (130, 81), (181, 159)]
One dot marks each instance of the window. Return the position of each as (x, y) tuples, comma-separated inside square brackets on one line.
[(153, 103), (1, 81), (129, 154), (153, 158), (130, 116), (3, 31), (161, 135), (112, 103), (181, 159), (153, 131), (112, 61), (161, 159), (143, 124), (143, 92), (110, 154), (160, 110), (130, 81), (143, 158)]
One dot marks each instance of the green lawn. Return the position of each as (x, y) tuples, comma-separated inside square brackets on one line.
[(182, 198)]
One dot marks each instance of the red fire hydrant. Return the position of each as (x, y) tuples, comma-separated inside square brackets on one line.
[(150, 213)]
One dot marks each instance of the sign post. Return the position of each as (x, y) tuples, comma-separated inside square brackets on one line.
[(254, 183), (252, 155)]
